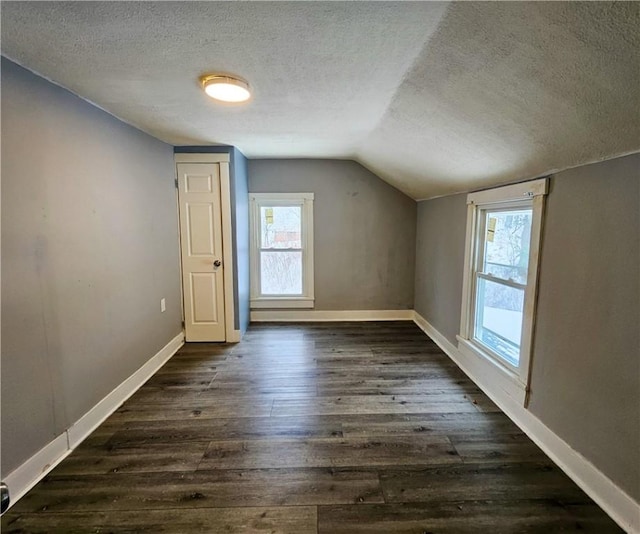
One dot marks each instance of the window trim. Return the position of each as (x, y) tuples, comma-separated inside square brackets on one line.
[(514, 380), (305, 201)]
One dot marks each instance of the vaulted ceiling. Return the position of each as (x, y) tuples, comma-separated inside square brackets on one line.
[(433, 97)]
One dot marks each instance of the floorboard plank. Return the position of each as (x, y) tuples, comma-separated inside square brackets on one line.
[(161, 457), (501, 448), (375, 404), (186, 407), (458, 424), (502, 482), (141, 433), (465, 517), (204, 489), (283, 520), (330, 452)]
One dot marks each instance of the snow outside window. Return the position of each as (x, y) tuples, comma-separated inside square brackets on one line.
[(282, 250)]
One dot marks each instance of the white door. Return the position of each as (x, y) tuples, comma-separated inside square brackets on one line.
[(201, 247)]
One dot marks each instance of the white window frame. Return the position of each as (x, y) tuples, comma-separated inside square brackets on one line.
[(496, 370), (305, 201)]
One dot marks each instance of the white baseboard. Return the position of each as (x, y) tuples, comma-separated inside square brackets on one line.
[(613, 500), (328, 315), (81, 429), (27, 475), (22, 479)]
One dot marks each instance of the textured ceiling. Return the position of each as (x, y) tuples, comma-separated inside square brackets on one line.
[(433, 97)]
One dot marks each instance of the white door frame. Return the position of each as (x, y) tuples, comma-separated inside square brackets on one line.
[(231, 334)]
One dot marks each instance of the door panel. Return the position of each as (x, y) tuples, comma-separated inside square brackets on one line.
[(199, 184), (204, 306), (201, 247), (199, 229)]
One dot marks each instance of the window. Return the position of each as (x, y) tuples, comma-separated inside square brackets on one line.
[(499, 290), (282, 250)]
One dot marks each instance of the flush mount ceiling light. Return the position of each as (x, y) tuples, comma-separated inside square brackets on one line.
[(226, 88)]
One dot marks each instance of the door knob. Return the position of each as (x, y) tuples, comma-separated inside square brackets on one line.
[(217, 263)]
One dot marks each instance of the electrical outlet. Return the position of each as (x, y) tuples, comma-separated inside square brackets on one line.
[(163, 305)]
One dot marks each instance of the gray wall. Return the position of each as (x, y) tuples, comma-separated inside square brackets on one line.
[(439, 261), (364, 231), (89, 247), (586, 364), (241, 239), (585, 382)]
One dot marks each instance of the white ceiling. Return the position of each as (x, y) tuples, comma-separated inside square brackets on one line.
[(433, 97)]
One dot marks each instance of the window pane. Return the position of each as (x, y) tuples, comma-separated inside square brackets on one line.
[(507, 240), (499, 311), (281, 273), (281, 226)]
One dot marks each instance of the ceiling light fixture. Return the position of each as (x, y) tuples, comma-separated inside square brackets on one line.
[(226, 88)]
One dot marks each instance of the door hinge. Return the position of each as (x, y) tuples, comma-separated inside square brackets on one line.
[(176, 182), (183, 325)]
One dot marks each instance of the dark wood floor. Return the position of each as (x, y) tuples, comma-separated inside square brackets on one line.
[(315, 428)]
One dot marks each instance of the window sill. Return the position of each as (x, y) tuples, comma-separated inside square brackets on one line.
[(282, 302), (490, 372)]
